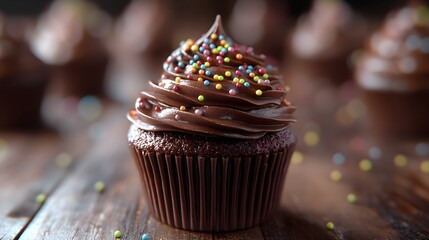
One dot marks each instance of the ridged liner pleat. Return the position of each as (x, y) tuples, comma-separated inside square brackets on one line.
[(212, 194)]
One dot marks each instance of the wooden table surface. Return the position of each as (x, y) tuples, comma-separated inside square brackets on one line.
[(392, 199)]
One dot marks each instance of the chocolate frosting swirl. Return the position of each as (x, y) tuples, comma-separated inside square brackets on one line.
[(215, 87), (397, 55)]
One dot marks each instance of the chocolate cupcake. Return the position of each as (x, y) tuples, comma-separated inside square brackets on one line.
[(211, 139), (69, 38), (392, 74), (323, 40), (22, 78)]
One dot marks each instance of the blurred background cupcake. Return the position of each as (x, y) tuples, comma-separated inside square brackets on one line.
[(69, 37), (393, 74), (22, 76), (141, 38)]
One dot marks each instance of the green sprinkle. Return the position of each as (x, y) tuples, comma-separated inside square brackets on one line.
[(330, 226), (195, 65), (351, 198), (226, 59), (201, 98), (265, 76), (99, 186), (255, 78), (220, 78), (117, 234), (41, 198)]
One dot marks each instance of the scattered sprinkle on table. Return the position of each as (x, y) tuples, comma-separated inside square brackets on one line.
[(330, 226), (63, 160), (424, 166), (297, 157), (400, 160), (365, 165), (117, 234), (145, 236), (336, 175), (41, 198), (99, 186), (311, 138), (351, 198)]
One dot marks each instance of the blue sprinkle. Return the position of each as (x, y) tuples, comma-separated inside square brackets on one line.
[(422, 149), (196, 57), (206, 82), (145, 236), (201, 49), (229, 40), (241, 68), (206, 40), (191, 62), (221, 37), (203, 66), (374, 153), (248, 71), (338, 159), (250, 67), (246, 84), (165, 66), (212, 45), (208, 73), (224, 50), (269, 67), (181, 64)]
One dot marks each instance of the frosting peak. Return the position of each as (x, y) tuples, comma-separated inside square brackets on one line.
[(215, 87)]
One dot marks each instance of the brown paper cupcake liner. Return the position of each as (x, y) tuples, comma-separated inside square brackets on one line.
[(212, 194)]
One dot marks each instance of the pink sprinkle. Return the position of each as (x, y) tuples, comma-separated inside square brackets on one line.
[(222, 53), (205, 45), (232, 92), (177, 117), (231, 49), (175, 88), (220, 61), (238, 85), (177, 69), (199, 112), (189, 76), (206, 53), (219, 58), (169, 59), (209, 59), (238, 72), (280, 88), (199, 63), (262, 71), (260, 81)]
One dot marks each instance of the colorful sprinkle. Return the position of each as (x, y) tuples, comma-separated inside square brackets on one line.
[(258, 92), (227, 59), (218, 86), (400, 160), (200, 79), (330, 226), (177, 117), (200, 98), (99, 186), (424, 166), (265, 76), (246, 84), (176, 88), (213, 36), (177, 79), (235, 80), (242, 81), (336, 175), (206, 82), (198, 112), (251, 74), (145, 237), (208, 73), (351, 198), (297, 157), (365, 165), (311, 138), (221, 78), (256, 78), (63, 160), (239, 56), (338, 158), (232, 92), (41, 198), (207, 64), (228, 74), (182, 108), (117, 234), (194, 48)]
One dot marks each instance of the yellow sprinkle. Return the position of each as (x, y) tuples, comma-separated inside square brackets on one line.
[(194, 48), (365, 165), (215, 51), (235, 80), (228, 73), (178, 79), (336, 175), (330, 226), (41, 198), (182, 108), (297, 157), (287, 88), (63, 160), (227, 45), (311, 138), (200, 98), (351, 198), (218, 86), (207, 64), (99, 186), (400, 160), (216, 77), (213, 36), (242, 81), (258, 92), (424, 166), (186, 47)]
